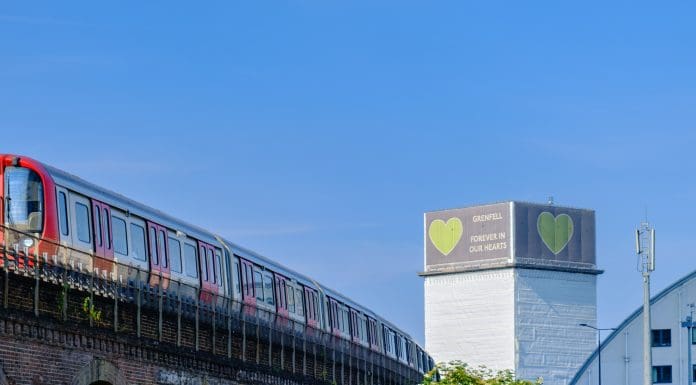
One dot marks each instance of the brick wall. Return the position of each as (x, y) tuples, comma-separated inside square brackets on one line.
[(63, 346)]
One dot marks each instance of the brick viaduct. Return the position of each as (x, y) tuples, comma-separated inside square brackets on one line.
[(60, 328)]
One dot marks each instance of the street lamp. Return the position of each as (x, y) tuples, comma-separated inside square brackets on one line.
[(599, 349)]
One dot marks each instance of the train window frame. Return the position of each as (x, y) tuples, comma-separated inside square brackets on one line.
[(115, 223), (187, 269), (175, 256), (133, 240), (63, 213)]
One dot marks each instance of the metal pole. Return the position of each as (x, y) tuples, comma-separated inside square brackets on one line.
[(647, 349), (599, 357)]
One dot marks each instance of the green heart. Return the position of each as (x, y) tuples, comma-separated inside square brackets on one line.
[(555, 232), (445, 236)]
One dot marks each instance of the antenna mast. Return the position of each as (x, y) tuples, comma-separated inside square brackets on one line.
[(645, 249)]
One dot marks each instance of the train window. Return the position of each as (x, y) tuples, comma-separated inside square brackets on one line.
[(298, 302), (268, 288), (190, 261), (175, 254), (211, 267), (235, 279), (153, 246), (120, 237), (138, 242), (290, 295), (218, 267), (63, 213), (24, 192), (258, 285), (162, 249), (97, 227), (82, 222), (204, 264), (107, 225)]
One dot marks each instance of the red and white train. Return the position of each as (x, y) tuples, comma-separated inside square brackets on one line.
[(106, 227)]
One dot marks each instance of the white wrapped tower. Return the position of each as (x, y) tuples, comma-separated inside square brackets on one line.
[(507, 285)]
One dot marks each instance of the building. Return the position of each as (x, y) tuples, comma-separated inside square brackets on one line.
[(622, 350), (506, 286)]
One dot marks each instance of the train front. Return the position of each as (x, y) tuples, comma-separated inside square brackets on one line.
[(28, 207)]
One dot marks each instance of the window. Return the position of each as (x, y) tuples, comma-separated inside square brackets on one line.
[(175, 254), (258, 285), (120, 236), (235, 277), (162, 249), (63, 213), (693, 337), (82, 222), (291, 298), (97, 226), (153, 246), (107, 225), (661, 337), (190, 261), (138, 242), (211, 269), (298, 302), (218, 267), (24, 199), (268, 288), (662, 374), (693, 373), (204, 264)]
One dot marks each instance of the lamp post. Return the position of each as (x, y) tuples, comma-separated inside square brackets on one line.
[(599, 349)]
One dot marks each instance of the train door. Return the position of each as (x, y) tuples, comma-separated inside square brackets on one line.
[(310, 307), (281, 289), (209, 272), (247, 275), (103, 238), (159, 255)]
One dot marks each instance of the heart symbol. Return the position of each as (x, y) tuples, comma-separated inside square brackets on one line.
[(555, 232), (445, 236)]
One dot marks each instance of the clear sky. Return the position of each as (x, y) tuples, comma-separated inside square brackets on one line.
[(318, 132)]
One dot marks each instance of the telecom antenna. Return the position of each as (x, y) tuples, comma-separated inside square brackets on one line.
[(645, 249)]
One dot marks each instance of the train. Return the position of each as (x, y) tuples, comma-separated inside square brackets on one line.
[(106, 229)]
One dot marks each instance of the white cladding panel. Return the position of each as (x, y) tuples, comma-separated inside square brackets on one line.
[(622, 355), (548, 308), (470, 317)]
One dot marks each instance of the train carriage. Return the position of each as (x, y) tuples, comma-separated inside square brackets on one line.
[(115, 238)]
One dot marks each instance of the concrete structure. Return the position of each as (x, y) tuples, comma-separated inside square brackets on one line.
[(622, 351), (506, 286)]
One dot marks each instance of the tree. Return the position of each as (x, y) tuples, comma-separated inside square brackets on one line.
[(459, 373)]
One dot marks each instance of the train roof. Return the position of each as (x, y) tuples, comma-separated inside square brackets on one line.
[(131, 206)]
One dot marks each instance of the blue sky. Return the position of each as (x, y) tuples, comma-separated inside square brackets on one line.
[(318, 132)]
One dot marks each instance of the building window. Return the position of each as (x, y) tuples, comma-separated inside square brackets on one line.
[(662, 374), (693, 373), (661, 337)]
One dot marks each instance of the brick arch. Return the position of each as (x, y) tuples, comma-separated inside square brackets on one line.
[(99, 372)]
